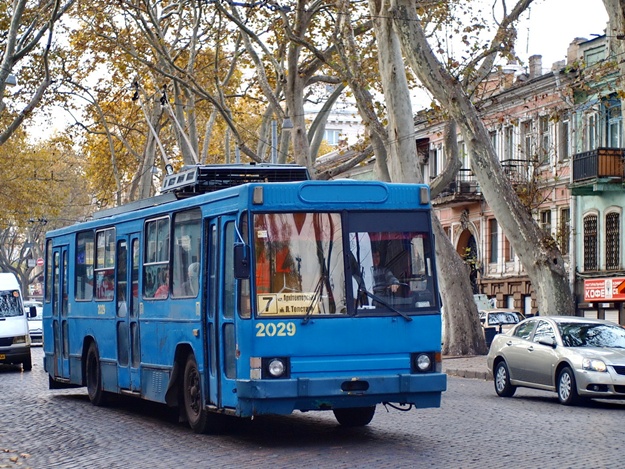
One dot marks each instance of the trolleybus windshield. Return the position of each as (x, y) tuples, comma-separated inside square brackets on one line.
[(308, 264)]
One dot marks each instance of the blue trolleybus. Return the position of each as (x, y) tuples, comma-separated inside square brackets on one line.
[(249, 290)]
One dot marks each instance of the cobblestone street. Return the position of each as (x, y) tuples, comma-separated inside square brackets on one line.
[(474, 428)]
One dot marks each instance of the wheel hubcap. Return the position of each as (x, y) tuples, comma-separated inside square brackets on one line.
[(565, 386), (501, 378)]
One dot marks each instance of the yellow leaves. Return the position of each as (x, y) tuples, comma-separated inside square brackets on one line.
[(35, 179), (324, 148), (11, 458)]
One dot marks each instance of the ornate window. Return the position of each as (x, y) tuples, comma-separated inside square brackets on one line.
[(545, 221), (544, 139), (590, 243), (612, 241), (494, 240), (564, 230), (564, 146)]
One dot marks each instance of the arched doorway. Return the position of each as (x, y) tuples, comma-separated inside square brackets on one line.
[(467, 249)]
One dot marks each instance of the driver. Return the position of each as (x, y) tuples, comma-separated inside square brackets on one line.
[(382, 276)]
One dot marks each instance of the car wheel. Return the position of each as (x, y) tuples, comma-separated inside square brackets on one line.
[(501, 377), (27, 364), (567, 387)]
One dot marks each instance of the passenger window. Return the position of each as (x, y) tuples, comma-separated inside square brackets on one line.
[(156, 260), (524, 330), (244, 294), (105, 264), (543, 329), (83, 269), (186, 253), (229, 280)]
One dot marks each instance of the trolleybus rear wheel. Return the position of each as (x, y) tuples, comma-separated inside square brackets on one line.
[(200, 420), (354, 416), (94, 377)]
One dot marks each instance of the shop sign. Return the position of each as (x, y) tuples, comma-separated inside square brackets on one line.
[(603, 289)]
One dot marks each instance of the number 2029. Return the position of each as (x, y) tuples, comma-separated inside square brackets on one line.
[(280, 329)]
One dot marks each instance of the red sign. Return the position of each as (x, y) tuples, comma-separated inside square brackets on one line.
[(40, 261), (604, 289)]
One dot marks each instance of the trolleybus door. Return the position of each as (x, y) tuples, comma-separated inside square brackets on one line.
[(59, 312), (127, 330), (221, 311)]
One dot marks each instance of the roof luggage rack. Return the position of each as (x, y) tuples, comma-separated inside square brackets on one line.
[(200, 179)]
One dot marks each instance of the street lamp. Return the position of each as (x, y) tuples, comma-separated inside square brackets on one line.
[(287, 124)]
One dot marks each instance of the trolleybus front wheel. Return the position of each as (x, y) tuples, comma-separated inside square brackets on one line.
[(200, 420), (94, 377), (354, 416)]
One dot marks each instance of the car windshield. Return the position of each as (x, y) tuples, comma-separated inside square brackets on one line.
[(502, 318), (592, 335), (10, 304)]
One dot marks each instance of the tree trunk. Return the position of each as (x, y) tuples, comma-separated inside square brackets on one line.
[(463, 334), (537, 251), (401, 148), (462, 330)]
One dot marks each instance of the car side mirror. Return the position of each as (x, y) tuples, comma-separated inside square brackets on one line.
[(241, 261), (32, 311), (548, 341)]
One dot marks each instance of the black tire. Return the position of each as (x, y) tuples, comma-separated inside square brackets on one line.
[(501, 378), (354, 416), (200, 420), (567, 387), (27, 364), (94, 377)]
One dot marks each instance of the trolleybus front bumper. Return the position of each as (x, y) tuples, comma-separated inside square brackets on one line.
[(283, 396)]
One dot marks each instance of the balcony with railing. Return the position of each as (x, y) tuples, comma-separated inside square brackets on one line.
[(598, 170), (464, 189), (518, 171)]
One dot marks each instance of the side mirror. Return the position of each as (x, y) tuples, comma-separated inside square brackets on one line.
[(241, 261), (32, 311), (548, 341)]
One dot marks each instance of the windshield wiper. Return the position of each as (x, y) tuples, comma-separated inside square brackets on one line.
[(383, 303), (315, 299)]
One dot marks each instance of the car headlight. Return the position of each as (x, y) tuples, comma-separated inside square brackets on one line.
[(20, 339), (593, 364)]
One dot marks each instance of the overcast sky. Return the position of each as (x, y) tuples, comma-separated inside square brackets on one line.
[(553, 24)]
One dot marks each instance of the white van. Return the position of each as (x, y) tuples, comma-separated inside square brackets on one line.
[(14, 336)]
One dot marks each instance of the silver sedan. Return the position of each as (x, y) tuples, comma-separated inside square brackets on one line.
[(576, 357)]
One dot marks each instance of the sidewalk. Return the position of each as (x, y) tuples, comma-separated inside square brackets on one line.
[(467, 367)]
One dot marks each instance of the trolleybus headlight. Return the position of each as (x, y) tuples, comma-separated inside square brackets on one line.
[(423, 362), (275, 367)]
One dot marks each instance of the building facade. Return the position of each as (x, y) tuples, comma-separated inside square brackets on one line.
[(597, 190), (559, 139)]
